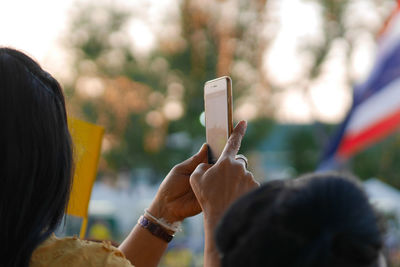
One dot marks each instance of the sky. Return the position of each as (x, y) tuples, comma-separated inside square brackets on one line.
[(32, 26), (37, 27)]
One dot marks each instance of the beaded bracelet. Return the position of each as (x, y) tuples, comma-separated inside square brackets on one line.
[(174, 227), (155, 229)]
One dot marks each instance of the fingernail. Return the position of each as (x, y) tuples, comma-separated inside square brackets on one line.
[(245, 124), (243, 127), (202, 147)]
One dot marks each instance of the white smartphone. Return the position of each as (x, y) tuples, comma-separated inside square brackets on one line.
[(218, 115)]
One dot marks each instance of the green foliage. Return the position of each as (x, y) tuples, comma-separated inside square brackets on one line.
[(98, 39), (380, 161), (303, 150), (257, 131), (136, 143), (89, 111)]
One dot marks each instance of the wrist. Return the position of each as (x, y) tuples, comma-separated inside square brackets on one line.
[(170, 227), (211, 219), (159, 210), (155, 229)]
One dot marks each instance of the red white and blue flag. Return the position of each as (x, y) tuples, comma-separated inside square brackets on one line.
[(375, 112)]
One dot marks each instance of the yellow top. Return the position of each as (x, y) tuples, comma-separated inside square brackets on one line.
[(72, 251)]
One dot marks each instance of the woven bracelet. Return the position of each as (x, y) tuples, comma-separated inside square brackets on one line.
[(155, 229), (173, 227)]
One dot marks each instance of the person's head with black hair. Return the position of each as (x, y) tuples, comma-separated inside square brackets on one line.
[(318, 220), (36, 156)]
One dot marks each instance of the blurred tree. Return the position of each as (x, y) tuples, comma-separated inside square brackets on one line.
[(151, 104), (303, 151), (380, 161)]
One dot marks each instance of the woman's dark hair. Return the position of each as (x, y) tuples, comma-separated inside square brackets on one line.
[(319, 220), (35, 159)]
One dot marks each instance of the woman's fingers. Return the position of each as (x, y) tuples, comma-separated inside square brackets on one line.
[(200, 170), (189, 165), (233, 145)]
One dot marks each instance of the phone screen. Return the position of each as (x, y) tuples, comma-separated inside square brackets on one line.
[(217, 117)]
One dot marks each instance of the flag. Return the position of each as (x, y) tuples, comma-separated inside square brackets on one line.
[(375, 112), (87, 139)]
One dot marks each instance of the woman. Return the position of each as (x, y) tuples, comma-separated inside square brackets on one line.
[(318, 220), (36, 171)]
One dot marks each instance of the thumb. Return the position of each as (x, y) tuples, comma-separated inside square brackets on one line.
[(189, 165)]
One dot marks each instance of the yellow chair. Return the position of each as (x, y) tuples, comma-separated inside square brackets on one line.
[(87, 140)]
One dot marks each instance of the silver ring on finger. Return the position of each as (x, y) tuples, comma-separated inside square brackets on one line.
[(242, 158)]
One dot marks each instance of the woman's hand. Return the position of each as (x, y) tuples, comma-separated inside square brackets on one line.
[(175, 199), (217, 186), (174, 202)]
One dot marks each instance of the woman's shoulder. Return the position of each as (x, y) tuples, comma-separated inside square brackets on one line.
[(72, 251)]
